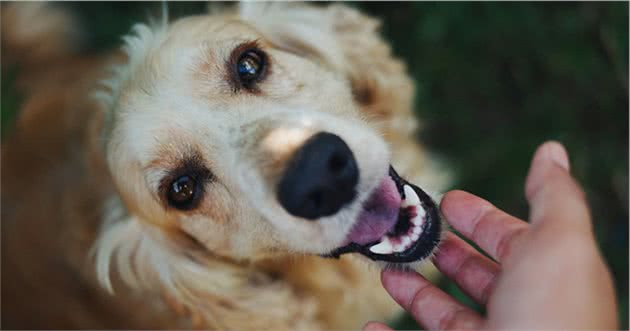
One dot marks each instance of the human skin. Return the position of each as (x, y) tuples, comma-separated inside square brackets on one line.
[(545, 274)]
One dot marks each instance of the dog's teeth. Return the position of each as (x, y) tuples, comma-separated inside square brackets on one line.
[(406, 241), (411, 198), (402, 245), (417, 220), (384, 247), (416, 230), (415, 236)]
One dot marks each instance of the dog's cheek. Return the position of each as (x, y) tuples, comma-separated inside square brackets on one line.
[(212, 223), (215, 237)]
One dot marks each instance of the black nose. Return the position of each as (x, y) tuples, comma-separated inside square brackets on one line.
[(320, 179)]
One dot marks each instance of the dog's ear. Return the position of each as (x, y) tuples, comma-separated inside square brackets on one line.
[(130, 252), (343, 39)]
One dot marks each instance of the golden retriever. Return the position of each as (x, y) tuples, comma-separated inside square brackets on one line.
[(236, 170)]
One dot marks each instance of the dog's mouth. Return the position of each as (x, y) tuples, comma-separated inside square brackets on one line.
[(399, 223)]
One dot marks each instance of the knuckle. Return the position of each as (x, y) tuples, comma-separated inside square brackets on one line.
[(461, 270), (506, 245), (447, 321), (487, 290), (458, 318), (482, 220), (479, 291), (414, 304)]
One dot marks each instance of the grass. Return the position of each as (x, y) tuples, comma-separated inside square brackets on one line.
[(494, 80)]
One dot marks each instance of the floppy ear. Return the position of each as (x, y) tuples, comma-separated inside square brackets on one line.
[(343, 39), (211, 291)]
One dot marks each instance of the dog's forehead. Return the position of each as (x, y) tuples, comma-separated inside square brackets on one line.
[(191, 45), (211, 28), (211, 40), (178, 94)]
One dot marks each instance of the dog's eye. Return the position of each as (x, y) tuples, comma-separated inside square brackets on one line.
[(250, 67), (183, 192)]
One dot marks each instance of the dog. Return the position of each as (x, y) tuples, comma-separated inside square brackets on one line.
[(234, 170)]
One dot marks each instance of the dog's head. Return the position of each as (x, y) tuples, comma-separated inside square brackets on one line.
[(242, 133)]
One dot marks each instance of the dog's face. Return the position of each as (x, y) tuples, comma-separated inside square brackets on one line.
[(255, 147)]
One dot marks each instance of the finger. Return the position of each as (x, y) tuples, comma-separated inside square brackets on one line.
[(430, 306), (553, 195), (474, 273), (477, 219), (376, 326)]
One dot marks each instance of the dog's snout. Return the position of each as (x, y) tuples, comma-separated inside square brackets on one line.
[(320, 179)]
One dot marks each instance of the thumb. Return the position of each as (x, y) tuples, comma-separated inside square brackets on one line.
[(553, 195)]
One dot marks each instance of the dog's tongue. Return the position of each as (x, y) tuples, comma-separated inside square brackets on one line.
[(379, 215)]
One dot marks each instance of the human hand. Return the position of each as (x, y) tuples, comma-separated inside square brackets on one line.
[(548, 273)]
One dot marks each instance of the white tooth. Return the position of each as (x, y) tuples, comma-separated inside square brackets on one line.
[(406, 241), (384, 247), (415, 236), (411, 198), (404, 203), (419, 219), (417, 230)]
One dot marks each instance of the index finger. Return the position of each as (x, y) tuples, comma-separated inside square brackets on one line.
[(477, 219)]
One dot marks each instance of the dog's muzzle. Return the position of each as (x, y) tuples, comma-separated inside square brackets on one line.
[(398, 223)]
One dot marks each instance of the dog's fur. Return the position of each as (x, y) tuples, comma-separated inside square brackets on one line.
[(83, 165)]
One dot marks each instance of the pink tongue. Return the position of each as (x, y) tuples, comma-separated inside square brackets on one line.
[(379, 215)]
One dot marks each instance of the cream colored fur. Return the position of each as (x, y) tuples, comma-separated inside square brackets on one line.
[(239, 260)]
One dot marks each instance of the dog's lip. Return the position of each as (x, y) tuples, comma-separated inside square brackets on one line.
[(418, 250)]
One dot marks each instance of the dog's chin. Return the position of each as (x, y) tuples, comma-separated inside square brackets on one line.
[(399, 224)]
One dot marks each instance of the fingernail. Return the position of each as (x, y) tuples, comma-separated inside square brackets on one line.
[(555, 152)]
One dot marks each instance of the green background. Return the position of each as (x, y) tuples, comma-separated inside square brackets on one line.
[(494, 80)]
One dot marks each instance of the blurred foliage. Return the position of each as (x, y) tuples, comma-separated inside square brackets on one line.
[(10, 100), (494, 80)]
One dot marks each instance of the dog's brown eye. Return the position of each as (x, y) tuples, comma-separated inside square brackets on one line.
[(182, 192), (250, 67)]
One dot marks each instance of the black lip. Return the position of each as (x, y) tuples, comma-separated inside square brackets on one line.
[(423, 247)]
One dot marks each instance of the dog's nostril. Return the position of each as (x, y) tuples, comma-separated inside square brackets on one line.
[(337, 162), (320, 179), (316, 198)]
